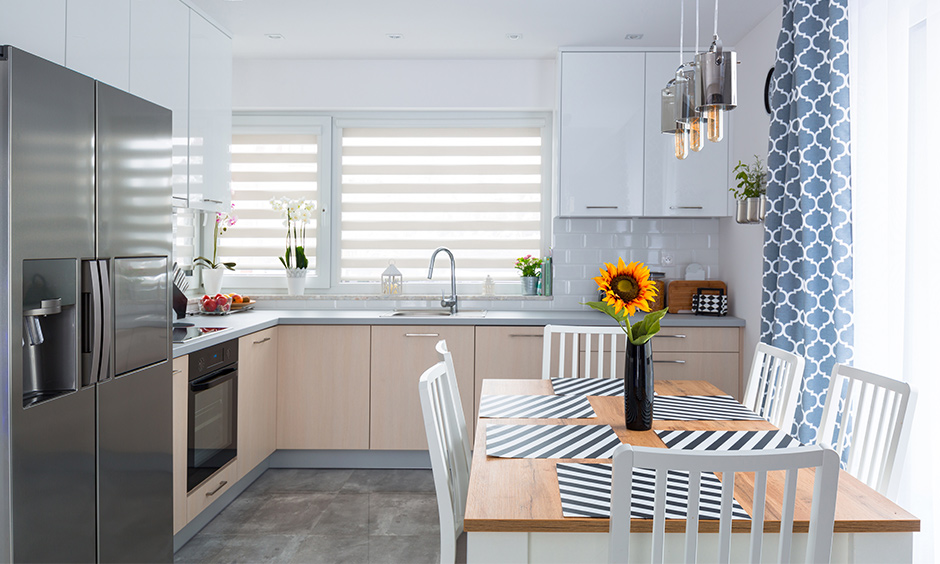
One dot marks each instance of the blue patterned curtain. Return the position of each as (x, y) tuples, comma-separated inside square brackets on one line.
[(807, 276)]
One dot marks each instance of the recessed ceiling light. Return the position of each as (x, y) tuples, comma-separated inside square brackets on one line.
[(274, 36), (394, 35), (633, 36), (514, 36)]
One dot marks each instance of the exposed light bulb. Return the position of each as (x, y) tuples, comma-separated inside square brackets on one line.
[(696, 138), (682, 143), (716, 123)]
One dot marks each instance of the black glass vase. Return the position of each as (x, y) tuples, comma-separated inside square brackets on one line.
[(638, 387)]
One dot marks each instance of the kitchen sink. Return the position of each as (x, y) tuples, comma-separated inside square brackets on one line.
[(434, 313)]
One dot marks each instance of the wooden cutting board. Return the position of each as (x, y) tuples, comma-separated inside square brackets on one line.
[(679, 293)]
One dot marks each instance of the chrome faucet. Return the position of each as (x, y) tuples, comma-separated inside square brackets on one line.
[(450, 302)]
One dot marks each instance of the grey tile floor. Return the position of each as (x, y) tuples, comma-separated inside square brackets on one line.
[(329, 516)]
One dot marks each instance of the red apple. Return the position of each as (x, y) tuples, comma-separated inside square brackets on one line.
[(221, 300), (210, 304)]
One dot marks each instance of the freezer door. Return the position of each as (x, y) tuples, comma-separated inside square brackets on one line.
[(135, 467), (141, 312)]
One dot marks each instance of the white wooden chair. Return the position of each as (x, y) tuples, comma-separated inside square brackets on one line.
[(598, 363), (866, 419), (773, 386), (449, 447), (822, 516)]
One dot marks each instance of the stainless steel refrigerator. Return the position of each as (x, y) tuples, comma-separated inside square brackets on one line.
[(86, 453)]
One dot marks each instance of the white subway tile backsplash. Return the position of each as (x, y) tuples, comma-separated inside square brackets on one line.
[(599, 241), (677, 226), (661, 241), (643, 225), (615, 225), (705, 225)]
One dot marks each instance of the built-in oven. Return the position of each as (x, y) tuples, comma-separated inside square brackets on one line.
[(213, 410)]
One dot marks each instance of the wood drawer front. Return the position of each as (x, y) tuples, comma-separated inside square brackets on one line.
[(720, 369), (211, 489), (697, 339), (505, 353)]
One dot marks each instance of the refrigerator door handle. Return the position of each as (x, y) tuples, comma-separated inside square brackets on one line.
[(91, 330), (107, 321)]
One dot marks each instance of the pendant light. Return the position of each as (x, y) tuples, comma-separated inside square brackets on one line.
[(685, 94), (698, 123), (717, 91)]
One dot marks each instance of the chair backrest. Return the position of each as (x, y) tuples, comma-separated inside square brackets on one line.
[(759, 462), (448, 446), (866, 420), (773, 385), (599, 361)]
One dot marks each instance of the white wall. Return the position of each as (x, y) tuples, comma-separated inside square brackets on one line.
[(741, 246), (522, 84)]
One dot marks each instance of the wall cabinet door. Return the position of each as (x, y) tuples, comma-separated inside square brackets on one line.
[(159, 72), (257, 398), (400, 354), (694, 187), (97, 40), (210, 115), (36, 26), (323, 387), (600, 151), (180, 420)]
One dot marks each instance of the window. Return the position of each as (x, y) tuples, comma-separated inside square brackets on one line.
[(406, 184), (275, 157)]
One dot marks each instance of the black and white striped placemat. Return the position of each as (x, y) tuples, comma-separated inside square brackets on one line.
[(727, 440), (701, 408), (550, 441), (539, 407), (588, 386), (585, 492)]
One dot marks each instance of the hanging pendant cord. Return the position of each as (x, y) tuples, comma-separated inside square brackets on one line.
[(681, 29), (696, 26), (716, 17)]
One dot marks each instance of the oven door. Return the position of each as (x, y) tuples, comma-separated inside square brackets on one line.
[(213, 404)]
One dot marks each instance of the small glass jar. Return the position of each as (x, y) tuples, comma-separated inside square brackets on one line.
[(659, 281)]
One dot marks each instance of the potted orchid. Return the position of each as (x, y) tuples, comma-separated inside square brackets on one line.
[(214, 269), (297, 214)]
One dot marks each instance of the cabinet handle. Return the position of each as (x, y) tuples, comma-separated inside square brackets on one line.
[(422, 334), (669, 361), (177, 371), (211, 200), (215, 491), (685, 207), (679, 336), (601, 207), (264, 340), (524, 335)]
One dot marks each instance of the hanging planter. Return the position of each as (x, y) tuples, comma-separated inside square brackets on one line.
[(751, 204)]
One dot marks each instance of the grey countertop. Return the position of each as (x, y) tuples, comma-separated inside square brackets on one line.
[(245, 323)]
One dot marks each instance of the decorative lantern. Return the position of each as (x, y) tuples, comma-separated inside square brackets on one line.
[(391, 279)]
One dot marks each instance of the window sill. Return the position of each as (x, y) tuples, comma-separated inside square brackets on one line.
[(395, 297)]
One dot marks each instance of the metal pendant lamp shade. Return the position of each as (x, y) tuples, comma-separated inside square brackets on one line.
[(685, 94), (668, 105), (718, 84)]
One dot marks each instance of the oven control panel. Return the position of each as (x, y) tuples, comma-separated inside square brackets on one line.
[(212, 358)]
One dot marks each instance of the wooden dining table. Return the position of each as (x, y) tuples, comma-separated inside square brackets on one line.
[(514, 511)]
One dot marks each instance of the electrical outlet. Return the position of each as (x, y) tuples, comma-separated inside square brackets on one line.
[(667, 259)]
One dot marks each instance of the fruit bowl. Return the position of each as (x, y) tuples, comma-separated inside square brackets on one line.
[(219, 304)]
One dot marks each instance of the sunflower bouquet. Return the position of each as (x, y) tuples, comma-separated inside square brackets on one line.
[(628, 288)]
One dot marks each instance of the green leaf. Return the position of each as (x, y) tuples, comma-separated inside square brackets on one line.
[(229, 265), (301, 257), (647, 327), (283, 262), (604, 307), (203, 261)]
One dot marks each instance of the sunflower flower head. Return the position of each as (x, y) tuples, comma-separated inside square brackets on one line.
[(626, 286)]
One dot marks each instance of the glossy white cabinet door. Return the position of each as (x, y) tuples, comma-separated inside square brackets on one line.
[(694, 187), (97, 40), (159, 72), (600, 151), (210, 115), (36, 26)]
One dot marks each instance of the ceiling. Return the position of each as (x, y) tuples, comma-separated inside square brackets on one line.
[(359, 29)]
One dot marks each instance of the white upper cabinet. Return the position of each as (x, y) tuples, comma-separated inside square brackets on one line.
[(159, 72), (601, 133), (694, 187), (97, 40), (210, 115), (36, 26)]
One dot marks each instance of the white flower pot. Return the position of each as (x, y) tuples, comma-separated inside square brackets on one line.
[(296, 280), (212, 280)]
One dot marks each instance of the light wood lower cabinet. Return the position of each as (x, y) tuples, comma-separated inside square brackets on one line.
[(712, 354), (506, 353), (400, 354), (210, 490), (323, 387), (180, 421), (257, 398)]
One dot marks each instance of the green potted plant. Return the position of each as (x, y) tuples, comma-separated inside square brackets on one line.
[(750, 192), (529, 266)]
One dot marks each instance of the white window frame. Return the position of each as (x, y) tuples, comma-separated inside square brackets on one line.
[(442, 119), (295, 122)]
